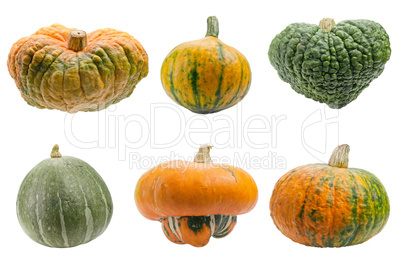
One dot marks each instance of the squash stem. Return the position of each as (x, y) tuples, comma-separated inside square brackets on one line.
[(77, 40), (55, 152), (340, 156), (203, 154), (327, 24), (212, 26)]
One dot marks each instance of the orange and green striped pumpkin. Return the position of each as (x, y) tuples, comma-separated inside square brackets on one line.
[(330, 205), (206, 75)]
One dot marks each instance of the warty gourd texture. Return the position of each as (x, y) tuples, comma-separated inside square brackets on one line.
[(330, 63)]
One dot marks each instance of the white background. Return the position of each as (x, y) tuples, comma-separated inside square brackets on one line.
[(111, 140)]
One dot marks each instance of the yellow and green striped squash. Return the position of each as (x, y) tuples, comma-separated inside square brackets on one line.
[(206, 75)]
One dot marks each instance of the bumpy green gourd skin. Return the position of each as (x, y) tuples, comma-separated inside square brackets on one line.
[(63, 202), (334, 67)]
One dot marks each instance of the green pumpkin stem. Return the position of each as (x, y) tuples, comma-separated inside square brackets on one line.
[(55, 152), (203, 154), (340, 157), (77, 40), (327, 24), (213, 26)]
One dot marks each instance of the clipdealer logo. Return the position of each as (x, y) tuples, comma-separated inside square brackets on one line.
[(130, 133)]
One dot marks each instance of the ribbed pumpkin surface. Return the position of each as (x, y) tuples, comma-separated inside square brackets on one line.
[(50, 75), (63, 202), (206, 75), (324, 206)]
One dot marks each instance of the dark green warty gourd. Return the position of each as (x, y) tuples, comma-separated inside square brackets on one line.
[(330, 63)]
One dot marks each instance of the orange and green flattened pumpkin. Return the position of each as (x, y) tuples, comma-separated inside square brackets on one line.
[(68, 70), (330, 205), (206, 75), (195, 200)]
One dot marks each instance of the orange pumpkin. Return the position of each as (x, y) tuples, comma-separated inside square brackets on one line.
[(195, 200), (330, 205), (64, 69)]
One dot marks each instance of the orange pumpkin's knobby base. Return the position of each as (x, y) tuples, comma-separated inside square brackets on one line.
[(197, 230), (197, 236)]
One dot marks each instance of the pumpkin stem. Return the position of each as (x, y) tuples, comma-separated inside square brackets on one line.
[(326, 24), (213, 26), (340, 157), (203, 154), (55, 152), (77, 40)]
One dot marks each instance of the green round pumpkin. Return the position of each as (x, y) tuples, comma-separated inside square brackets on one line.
[(63, 202)]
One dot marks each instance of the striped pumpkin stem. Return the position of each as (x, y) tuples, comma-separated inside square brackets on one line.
[(55, 152), (203, 154), (340, 156), (77, 40), (213, 26)]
